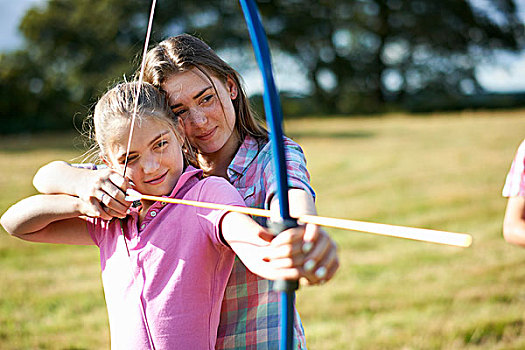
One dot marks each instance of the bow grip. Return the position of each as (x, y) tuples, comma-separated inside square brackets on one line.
[(277, 226)]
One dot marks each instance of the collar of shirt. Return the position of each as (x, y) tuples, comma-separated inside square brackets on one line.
[(246, 154), (186, 181)]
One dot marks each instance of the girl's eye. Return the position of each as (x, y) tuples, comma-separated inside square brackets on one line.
[(162, 143), (131, 159), (179, 113), (207, 98)]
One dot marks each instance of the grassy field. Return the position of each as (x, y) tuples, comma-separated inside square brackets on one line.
[(443, 172)]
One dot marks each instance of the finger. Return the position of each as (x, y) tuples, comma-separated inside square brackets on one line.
[(116, 193), (332, 269), (303, 282), (285, 263), (331, 263), (116, 206), (119, 181), (311, 232), (325, 268), (106, 212), (282, 251), (109, 202), (265, 235), (320, 246), (290, 236), (112, 213), (96, 210)]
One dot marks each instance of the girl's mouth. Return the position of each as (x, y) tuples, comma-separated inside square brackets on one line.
[(208, 135), (157, 180)]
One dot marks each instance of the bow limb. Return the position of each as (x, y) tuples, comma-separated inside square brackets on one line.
[(272, 107)]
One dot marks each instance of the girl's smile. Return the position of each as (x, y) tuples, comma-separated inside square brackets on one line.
[(157, 180), (208, 135)]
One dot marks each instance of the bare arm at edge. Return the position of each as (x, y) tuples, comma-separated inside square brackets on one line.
[(514, 221)]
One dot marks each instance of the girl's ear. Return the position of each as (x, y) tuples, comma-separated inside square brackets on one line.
[(232, 88)]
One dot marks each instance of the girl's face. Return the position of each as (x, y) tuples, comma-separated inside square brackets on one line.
[(155, 160), (206, 115)]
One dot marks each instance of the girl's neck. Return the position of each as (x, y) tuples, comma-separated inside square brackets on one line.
[(217, 163), (144, 207)]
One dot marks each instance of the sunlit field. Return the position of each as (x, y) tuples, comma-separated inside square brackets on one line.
[(442, 172)]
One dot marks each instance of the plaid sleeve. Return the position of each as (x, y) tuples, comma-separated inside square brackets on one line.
[(298, 176), (89, 166), (515, 181)]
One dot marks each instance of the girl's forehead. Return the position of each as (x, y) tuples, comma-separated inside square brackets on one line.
[(144, 131), (187, 82)]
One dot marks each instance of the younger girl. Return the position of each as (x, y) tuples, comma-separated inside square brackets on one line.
[(164, 267)]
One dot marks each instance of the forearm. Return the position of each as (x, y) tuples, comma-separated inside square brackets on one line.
[(249, 241), (514, 222), (515, 233), (35, 213), (59, 177), (301, 203)]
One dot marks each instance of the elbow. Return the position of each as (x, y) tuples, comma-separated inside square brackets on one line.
[(513, 235), (7, 224), (40, 180)]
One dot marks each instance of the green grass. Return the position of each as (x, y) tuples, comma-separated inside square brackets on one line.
[(442, 172)]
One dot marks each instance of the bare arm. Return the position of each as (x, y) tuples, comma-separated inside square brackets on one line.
[(104, 190), (47, 219), (514, 222), (252, 244), (60, 177)]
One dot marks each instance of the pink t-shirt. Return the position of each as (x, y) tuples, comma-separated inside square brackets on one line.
[(515, 182), (180, 268)]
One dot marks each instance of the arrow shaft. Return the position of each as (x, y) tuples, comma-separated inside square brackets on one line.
[(418, 234)]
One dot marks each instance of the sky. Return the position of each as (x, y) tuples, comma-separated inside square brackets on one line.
[(506, 75)]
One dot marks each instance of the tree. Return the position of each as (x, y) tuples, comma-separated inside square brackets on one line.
[(362, 54), (359, 55)]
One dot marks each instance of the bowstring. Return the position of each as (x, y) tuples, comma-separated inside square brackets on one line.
[(140, 81), (133, 118)]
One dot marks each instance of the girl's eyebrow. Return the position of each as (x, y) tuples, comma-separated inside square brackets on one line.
[(197, 95), (160, 136)]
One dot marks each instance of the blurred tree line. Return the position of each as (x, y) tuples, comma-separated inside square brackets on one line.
[(359, 56)]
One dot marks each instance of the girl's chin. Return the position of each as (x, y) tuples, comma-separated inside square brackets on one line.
[(209, 147), (163, 189)]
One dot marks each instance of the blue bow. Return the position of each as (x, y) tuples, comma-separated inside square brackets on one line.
[(272, 107)]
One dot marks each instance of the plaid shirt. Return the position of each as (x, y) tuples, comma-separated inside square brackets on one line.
[(250, 309), (515, 183)]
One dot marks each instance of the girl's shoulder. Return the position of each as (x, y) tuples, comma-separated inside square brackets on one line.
[(216, 189), (290, 146)]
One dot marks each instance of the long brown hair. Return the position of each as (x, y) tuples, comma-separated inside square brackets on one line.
[(184, 52)]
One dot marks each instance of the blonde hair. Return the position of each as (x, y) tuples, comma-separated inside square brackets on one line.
[(118, 105), (184, 52)]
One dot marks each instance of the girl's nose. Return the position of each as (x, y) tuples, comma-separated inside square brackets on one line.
[(151, 164), (198, 117)]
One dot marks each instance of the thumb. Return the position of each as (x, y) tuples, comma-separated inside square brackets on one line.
[(265, 235)]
